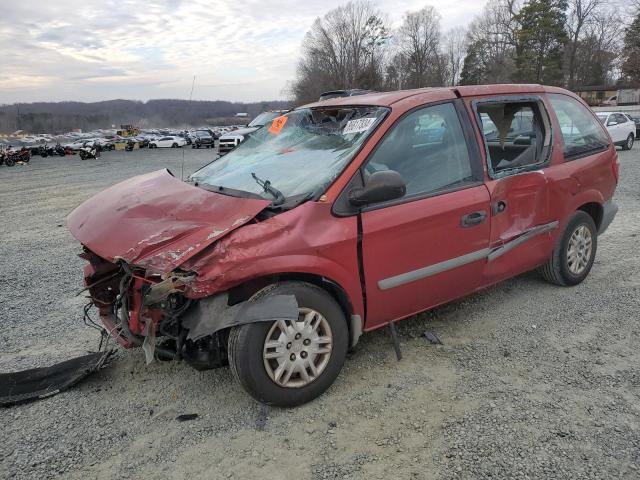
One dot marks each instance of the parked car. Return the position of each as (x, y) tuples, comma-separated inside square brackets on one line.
[(231, 140), (203, 139), (342, 217), (636, 120), (621, 128), (167, 142)]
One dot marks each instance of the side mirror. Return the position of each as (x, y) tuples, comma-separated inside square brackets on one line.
[(380, 187)]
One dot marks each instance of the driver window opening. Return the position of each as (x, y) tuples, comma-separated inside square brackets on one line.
[(514, 134)]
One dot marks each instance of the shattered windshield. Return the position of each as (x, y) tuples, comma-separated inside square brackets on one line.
[(262, 119), (299, 153)]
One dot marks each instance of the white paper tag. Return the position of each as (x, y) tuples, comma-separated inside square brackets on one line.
[(359, 125)]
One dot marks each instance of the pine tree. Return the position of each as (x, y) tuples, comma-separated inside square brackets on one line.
[(631, 65), (472, 67), (540, 42)]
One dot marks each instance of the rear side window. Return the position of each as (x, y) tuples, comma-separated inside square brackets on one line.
[(515, 135), (620, 118), (428, 149), (581, 133)]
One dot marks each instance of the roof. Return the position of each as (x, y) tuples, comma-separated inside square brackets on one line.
[(386, 99)]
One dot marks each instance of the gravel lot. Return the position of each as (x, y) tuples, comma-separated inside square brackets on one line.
[(532, 380)]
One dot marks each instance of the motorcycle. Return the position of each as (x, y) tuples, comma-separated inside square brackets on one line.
[(59, 150), (10, 157), (42, 150), (89, 152)]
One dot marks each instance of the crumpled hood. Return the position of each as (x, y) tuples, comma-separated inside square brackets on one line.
[(157, 221)]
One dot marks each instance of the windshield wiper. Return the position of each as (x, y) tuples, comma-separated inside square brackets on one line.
[(266, 185)]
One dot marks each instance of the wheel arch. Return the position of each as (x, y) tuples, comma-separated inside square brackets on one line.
[(247, 289), (595, 210)]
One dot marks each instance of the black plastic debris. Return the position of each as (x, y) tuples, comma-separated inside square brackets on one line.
[(263, 416), (37, 383), (185, 417), (432, 337)]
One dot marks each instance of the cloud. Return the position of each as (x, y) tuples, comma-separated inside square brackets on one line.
[(96, 49)]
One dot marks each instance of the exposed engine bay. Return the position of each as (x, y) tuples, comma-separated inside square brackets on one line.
[(148, 311)]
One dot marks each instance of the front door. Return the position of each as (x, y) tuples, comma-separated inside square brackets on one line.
[(430, 246)]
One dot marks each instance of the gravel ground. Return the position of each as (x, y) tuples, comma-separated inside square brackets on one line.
[(532, 380)]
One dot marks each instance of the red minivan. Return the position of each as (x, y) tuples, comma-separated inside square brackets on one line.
[(342, 216)]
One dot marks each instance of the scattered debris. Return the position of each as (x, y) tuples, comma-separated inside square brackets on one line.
[(432, 337), (261, 419), (185, 417), (37, 383)]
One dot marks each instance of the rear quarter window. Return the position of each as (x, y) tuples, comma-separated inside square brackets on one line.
[(581, 133)]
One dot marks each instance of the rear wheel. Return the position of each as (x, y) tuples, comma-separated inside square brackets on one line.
[(628, 145), (573, 256), (9, 162), (175, 145), (286, 363)]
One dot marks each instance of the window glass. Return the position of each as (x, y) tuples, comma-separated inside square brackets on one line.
[(514, 134), (299, 153), (601, 116), (581, 133), (427, 148), (618, 117)]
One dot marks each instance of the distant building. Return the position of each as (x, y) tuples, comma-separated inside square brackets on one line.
[(594, 95)]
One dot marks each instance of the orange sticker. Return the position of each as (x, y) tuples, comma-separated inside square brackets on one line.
[(277, 124)]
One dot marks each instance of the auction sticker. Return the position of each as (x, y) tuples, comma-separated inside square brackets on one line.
[(359, 125), (277, 124)]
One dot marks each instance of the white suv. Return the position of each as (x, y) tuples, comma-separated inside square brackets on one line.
[(621, 128)]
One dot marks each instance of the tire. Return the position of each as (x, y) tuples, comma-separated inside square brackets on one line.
[(628, 145), (9, 162), (247, 344), (558, 269), (151, 145), (175, 145)]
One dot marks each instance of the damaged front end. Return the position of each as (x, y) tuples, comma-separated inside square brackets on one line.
[(139, 309)]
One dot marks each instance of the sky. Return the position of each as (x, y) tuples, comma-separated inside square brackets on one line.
[(92, 50)]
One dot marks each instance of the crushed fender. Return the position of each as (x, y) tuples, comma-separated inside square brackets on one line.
[(213, 313), (37, 383)]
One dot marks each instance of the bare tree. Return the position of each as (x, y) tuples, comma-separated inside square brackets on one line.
[(343, 49), (419, 44), (580, 13), (454, 51), (598, 51), (492, 40)]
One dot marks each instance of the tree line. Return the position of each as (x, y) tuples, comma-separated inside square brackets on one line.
[(566, 43), (58, 117)]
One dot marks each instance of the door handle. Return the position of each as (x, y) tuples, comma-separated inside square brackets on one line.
[(498, 207), (475, 218)]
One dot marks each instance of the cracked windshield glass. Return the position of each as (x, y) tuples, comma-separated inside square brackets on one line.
[(298, 153)]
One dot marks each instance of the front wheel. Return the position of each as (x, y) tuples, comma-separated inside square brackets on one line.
[(573, 256), (628, 145), (286, 363)]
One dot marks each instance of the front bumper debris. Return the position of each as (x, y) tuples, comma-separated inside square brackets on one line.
[(37, 383)]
